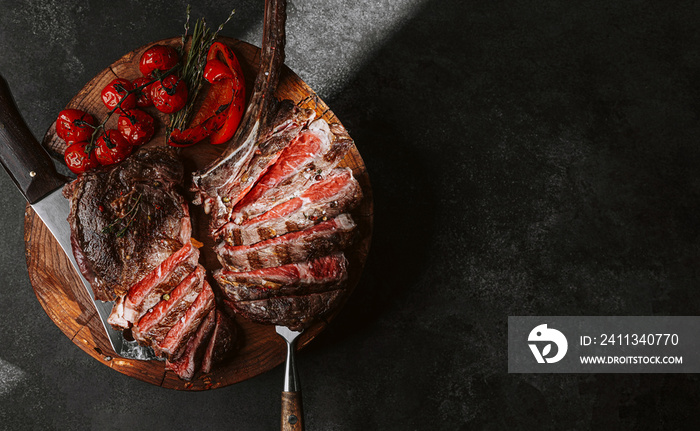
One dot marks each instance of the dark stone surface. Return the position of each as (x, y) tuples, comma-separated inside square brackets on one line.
[(527, 158)]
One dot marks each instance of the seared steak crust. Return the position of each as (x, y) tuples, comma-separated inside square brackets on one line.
[(296, 312), (125, 220), (325, 238)]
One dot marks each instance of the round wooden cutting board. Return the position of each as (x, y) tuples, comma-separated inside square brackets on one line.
[(61, 294)]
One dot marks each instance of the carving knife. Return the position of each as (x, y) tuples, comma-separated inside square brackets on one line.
[(34, 173)]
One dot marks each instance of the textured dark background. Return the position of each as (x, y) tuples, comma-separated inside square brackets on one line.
[(527, 158)]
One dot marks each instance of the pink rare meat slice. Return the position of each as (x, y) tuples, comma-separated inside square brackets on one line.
[(188, 363), (149, 290), (174, 342), (324, 199), (321, 274), (221, 343), (322, 239), (304, 148), (223, 184), (154, 325)]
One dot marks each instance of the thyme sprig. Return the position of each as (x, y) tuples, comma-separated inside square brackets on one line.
[(129, 217), (194, 60)]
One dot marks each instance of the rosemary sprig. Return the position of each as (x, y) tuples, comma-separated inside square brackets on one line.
[(187, 29), (129, 216), (194, 61)]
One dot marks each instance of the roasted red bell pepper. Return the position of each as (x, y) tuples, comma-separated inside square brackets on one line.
[(222, 108), (216, 70), (235, 81), (199, 132)]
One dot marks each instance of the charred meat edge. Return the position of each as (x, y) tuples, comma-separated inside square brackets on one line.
[(321, 239)]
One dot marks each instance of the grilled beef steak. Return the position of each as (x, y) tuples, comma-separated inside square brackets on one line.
[(277, 204), (150, 289), (306, 147), (222, 186), (324, 273), (131, 233), (296, 168), (324, 238), (176, 339), (188, 363), (154, 326), (324, 199), (126, 220)]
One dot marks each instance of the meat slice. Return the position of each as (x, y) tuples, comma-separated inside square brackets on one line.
[(307, 146), (154, 325), (222, 342), (289, 122), (321, 274), (149, 290), (175, 341), (289, 180), (126, 219), (322, 239), (189, 362), (338, 193), (296, 312), (249, 164)]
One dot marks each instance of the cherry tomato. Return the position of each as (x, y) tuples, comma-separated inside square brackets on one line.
[(135, 126), (111, 147), (77, 159), (169, 94), (158, 57), (144, 95), (74, 125), (115, 91)]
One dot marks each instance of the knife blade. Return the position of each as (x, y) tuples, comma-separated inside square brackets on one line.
[(35, 175)]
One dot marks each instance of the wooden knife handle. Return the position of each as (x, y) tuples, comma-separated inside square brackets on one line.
[(292, 412), (24, 159)]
